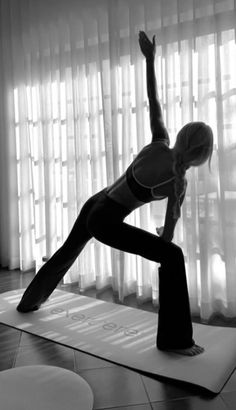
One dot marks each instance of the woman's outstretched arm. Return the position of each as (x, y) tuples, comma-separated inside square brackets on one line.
[(158, 128), (167, 231), (170, 221)]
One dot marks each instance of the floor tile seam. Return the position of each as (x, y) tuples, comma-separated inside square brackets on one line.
[(225, 384), (111, 365), (175, 399), (186, 398), (74, 361), (132, 406), (145, 388), (222, 398), (93, 368), (227, 392), (17, 351), (105, 368)]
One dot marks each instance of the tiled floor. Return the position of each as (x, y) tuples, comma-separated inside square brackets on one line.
[(114, 387)]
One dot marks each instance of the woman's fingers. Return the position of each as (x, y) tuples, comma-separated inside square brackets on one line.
[(144, 38), (146, 45)]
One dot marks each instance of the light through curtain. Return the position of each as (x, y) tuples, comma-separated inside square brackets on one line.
[(75, 113)]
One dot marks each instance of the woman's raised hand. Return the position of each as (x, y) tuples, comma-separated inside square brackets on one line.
[(148, 48)]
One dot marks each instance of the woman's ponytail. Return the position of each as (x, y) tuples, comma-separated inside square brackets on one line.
[(179, 170), (194, 145)]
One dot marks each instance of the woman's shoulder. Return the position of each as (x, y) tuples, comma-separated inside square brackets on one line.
[(153, 151), (155, 148), (161, 143), (153, 164)]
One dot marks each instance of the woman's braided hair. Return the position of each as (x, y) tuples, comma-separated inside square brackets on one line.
[(194, 144), (180, 183)]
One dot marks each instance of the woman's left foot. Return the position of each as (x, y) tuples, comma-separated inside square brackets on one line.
[(23, 309), (190, 351)]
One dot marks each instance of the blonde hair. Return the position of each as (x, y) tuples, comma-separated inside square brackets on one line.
[(193, 146)]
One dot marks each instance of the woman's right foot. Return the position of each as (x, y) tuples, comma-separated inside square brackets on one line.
[(189, 351)]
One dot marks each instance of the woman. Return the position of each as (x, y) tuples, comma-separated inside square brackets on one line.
[(157, 172)]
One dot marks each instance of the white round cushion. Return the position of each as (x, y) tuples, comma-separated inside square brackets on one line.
[(44, 388)]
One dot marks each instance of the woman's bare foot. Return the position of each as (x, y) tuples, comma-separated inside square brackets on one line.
[(190, 351)]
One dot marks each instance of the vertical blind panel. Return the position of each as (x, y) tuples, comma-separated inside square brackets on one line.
[(76, 113)]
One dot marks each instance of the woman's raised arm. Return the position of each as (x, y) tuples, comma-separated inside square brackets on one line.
[(158, 129)]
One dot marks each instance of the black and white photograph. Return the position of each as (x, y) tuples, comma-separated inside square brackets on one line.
[(117, 205)]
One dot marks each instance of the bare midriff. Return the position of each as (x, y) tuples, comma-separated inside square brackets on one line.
[(120, 192), (149, 177)]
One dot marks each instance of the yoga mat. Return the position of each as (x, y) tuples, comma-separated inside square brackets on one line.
[(125, 336)]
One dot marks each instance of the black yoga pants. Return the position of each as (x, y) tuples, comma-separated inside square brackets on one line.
[(103, 218)]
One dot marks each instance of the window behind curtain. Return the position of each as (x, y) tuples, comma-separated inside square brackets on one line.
[(81, 115)]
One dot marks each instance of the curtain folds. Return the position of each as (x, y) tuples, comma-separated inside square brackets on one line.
[(74, 113)]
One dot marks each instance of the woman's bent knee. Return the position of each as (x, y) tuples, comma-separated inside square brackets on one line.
[(175, 252)]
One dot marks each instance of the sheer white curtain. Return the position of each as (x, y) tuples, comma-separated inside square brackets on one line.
[(74, 113)]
